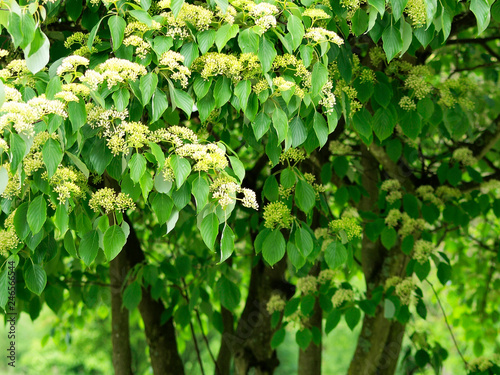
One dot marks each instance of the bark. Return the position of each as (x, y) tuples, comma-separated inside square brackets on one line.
[(120, 330), (122, 357), (225, 355), (379, 342), (310, 359), (252, 342), (163, 351)]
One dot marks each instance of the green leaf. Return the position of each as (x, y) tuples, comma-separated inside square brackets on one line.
[(444, 273), (298, 131), (320, 128), (77, 114), (200, 190), (162, 206), (182, 100), (35, 277), (273, 248), (61, 219), (148, 85), (352, 317), (481, 9), (121, 98), (304, 242), (278, 338), (261, 125), (388, 237), (422, 358), (248, 41), (359, 22), (332, 320), (36, 61), (4, 179), (383, 123), (303, 338), (397, 8), (379, 5), (238, 167), (242, 91), (52, 156), (266, 54), (144, 16), (181, 168), (422, 270), (411, 124), (305, 196), (225, 34), (117, 30), (226, 243), (205, 40), (393, 44), (209, 230), (319, 78), (335, 255), (229, 293), (410, 205), (113, 241), (132, 296), (280, 123), (270, 189), (158, 105), (288, 178), (20, 221), (89, 246), (37, 214), (296, 30), (137, 165), (389, 309)]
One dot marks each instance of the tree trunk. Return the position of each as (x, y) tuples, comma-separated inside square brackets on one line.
[(310, 359), (252, 342), (379, 342), (120, 335), (224, 357), (162, 343)]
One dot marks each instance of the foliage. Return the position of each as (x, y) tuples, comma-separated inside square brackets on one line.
[(335, 136)]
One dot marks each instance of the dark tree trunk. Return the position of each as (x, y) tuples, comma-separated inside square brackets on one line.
[(310, 359), (163, 352), (379, 342), (162, 343), (120, 335), (225, 354), (252, 342)]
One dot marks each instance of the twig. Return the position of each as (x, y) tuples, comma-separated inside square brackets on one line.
[(447, 324), (207, 344)]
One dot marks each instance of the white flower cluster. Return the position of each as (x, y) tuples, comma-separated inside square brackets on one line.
[(24, 115), (465, 156), (225, 191), (328, 101), (341, 296), (392, 188), (264, 15), (206, 156), (113, 71), (319, 34), (172, 61), (71, 63), (142, 47), (275, 303), (422, 250)]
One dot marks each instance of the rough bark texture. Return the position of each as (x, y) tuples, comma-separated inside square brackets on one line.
[(252, 342), (122, 357), (379, 342), (310, 359), (225, 354), (163, 352)]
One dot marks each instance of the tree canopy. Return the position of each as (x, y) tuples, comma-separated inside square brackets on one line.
[(252, 169)]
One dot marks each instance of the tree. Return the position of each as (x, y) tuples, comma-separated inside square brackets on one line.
[(173, 153)]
